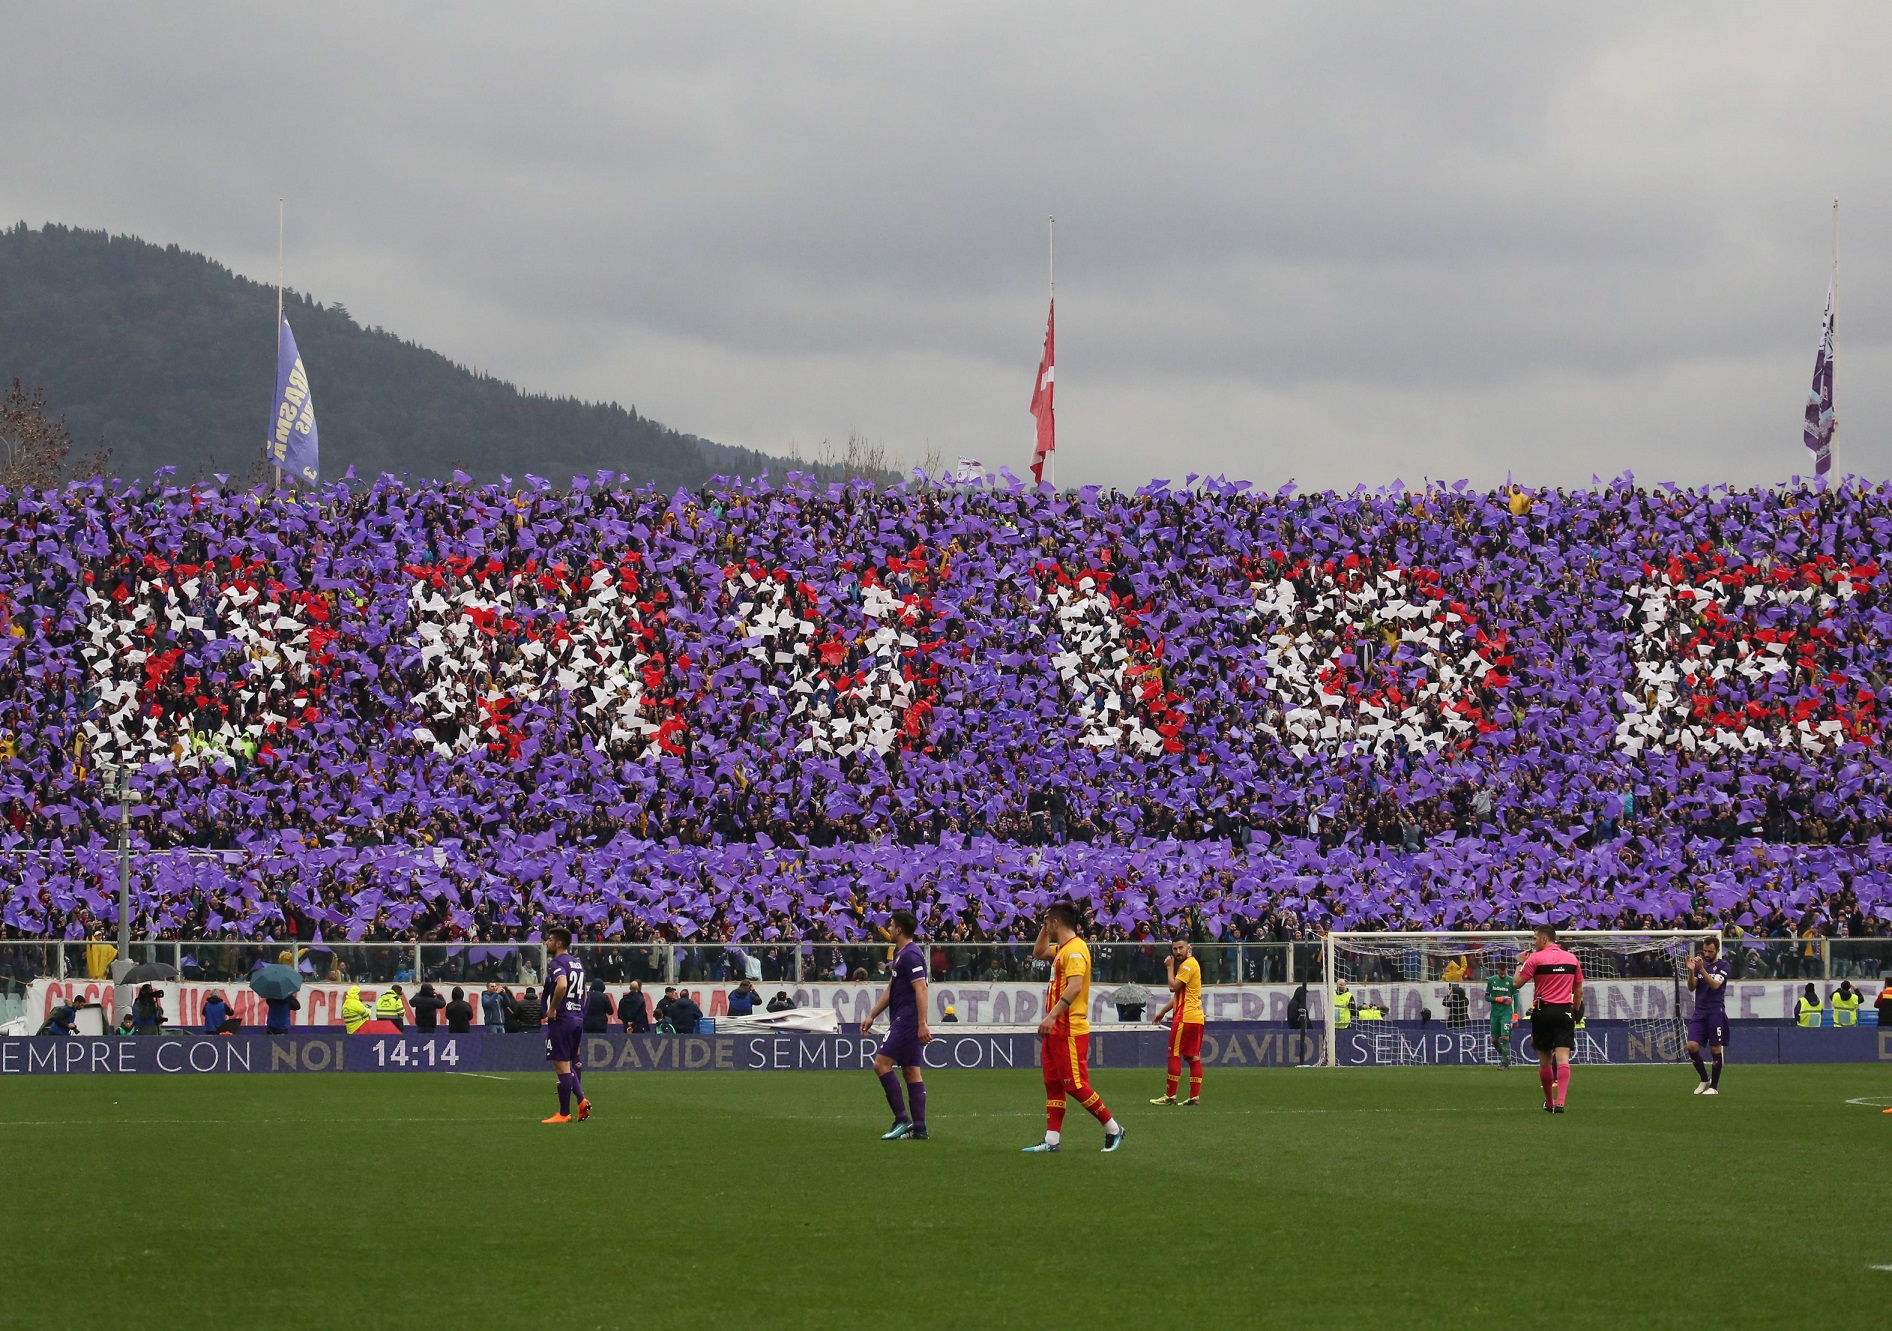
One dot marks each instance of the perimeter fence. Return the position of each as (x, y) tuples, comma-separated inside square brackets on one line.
[(777, 961)]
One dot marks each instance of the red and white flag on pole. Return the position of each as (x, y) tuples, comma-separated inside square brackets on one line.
[(1042, 469)]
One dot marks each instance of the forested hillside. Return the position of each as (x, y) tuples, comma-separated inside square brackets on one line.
[(166, 356)]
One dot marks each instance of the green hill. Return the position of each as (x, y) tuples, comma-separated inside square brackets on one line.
[(166, 357)]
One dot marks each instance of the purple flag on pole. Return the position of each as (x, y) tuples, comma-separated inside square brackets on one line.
[(292, 439), (1820, 423)]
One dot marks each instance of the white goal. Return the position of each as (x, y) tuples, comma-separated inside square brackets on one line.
[(1419, 998)]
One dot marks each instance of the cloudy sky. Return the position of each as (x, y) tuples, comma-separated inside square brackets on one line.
[(1340, 243)]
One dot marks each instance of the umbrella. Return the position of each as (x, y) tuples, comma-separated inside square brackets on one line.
[(276, 981), (148, 970)]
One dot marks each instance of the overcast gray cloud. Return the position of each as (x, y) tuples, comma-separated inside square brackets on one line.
[(1340, 243)]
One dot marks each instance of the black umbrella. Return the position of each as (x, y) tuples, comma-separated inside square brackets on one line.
[(148, 970)]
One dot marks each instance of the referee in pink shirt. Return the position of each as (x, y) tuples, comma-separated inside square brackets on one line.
[(1558, 1006)]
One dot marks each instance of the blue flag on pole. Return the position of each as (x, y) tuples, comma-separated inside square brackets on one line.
[(292, 441), (1820, 424)]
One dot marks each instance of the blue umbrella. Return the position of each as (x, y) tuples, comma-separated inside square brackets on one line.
[(276, 981)]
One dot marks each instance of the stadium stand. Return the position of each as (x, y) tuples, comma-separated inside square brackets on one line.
[(392, 710)]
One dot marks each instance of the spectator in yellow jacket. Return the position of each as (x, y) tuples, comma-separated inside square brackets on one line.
[(99, 956)]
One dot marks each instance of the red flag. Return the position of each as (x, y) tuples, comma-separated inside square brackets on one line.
[(1042, 469)]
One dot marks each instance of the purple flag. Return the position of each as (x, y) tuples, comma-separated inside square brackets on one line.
[(1820, 422), (292, 439)]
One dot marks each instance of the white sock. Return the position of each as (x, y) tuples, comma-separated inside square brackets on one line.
[(1112, 1128), (1051, 1138)]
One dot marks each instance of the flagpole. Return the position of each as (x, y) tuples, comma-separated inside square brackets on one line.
[(277, 484), (1051, 253), (1832, 364)]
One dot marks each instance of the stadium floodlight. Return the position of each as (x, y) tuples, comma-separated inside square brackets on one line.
[(1636, 978)]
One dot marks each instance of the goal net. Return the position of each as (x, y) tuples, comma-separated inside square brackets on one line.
[(1421, 998)]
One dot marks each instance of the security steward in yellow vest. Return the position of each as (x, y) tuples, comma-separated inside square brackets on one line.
[(1343, 1006), (1846, 1005), (389, 1007), (354, 1012), (1807, 1008)]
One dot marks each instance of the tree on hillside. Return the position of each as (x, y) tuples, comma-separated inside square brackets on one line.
[(33, 445)]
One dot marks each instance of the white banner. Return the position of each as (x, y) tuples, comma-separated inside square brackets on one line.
[(975, 1003)]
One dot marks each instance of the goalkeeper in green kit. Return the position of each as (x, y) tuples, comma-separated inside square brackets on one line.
[(1502, 994)]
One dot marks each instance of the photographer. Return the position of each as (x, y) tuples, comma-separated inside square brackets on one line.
[(742, 999), (147, 1011), (1130, 1000), (62, 1020), (216, 1012)]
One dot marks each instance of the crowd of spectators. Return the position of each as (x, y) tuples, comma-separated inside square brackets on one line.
[(395, 712)]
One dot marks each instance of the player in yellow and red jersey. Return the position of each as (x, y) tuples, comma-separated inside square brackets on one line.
[(1184, 1011), (1065, 1033)]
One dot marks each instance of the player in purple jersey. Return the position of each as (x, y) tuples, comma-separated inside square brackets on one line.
[(565, 1024), (1708, 976), (905, 1006)]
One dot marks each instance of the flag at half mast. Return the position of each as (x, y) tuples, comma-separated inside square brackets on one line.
[(1821, 424), (292, 443), (1042, 469)]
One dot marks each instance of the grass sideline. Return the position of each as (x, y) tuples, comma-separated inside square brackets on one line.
[(1293, 1198)]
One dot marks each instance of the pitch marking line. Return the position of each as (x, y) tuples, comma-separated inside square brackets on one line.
[(1873, 1102), (1881, 1268), (240, 1122), (484, 1076)]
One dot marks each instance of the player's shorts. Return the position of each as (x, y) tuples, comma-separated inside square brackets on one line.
[(1553, 1026), (1066, 1060), (565, 1042), (903, 1046), (1709, 1028), (1185, 1039)]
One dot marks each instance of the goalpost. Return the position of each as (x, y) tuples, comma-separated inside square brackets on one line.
[(1636, 981)]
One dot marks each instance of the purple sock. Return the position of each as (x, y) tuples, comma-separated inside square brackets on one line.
[(578, 1084), (565, 1093), (1715, 1079), (890, 1083), (916, 1096), (1700, 1067)]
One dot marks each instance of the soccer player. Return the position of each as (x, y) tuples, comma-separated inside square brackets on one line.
[(1558, 977), (1708, 976), (565, 1024), (1065, 1033), (1184, 1010), (905, 1006), (1503, 997)]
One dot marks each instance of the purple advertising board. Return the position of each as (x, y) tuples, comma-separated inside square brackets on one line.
[(1225, 1045)]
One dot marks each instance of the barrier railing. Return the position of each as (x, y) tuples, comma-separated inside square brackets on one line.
[(22, 961)]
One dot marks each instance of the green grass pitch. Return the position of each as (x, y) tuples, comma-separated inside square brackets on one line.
[(1385, 1199)]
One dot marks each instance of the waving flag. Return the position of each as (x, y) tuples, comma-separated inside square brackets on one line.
[(1042, 470), (1820, 422), (292, 440)]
